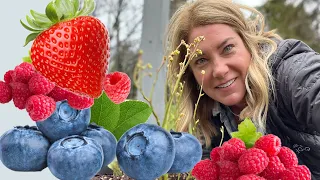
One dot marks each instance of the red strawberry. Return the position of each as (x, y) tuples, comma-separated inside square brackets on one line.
[(117, 86), (71, 51)]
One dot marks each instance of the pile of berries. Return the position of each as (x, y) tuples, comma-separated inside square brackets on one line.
[(266, 160), (57, 143), (32, 91)]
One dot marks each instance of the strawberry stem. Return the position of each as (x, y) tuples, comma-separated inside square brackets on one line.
[(55, 12)]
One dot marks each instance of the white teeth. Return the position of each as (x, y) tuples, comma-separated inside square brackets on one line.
[(226, 84)]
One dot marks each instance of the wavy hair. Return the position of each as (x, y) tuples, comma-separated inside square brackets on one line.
[(260, 43)]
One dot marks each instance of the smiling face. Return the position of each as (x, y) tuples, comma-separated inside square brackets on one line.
[(225, 60)]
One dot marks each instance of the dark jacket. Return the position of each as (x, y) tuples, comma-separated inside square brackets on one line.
[(294, 116)]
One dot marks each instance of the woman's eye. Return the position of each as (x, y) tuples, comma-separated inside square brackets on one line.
[(200, 61), (228, 48)]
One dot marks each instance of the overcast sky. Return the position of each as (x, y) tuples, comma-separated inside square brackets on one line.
[(12, 50)]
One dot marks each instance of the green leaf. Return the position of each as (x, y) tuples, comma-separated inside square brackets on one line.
[(51, 12), (76, 5), (88, 8), (105, 113), (41, 18), (247, 132), (27, 59), (64, 8), (29, 28), (32, 23), (31, 37), (132, 112)]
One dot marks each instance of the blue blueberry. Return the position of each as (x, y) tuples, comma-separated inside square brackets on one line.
[(106, 139), (188, 152), (75, 158), (24, 149), (65, 121), (145, 152)]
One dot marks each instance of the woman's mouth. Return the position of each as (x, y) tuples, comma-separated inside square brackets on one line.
[(227, 84)]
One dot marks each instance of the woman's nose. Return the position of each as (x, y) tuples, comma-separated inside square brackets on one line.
[(220, 70)]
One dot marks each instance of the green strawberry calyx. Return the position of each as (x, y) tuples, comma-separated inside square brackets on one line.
[(56, 11), (247, 132)]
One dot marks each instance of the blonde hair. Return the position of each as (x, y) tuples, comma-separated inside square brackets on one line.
[(259, 81)]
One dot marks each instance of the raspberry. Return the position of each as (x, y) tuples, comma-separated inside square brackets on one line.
[(205, 170), (231, 150), (38, 84), (40, 107), (8, 76), (250, 177), (23, 72), (58, 94), (117, 86), (288, 157), (253, 161), (20, 94), (5, 93), (270, 143), (300, 172), (228, 170), (274, 169), (214, 154), (79, 102)]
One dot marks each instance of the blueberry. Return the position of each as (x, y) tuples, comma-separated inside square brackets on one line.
[(188, 152), (65, 121), (75, 158), (24, 149), (145, 152), (106, 139)]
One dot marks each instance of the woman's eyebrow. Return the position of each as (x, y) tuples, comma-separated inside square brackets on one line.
[(224, 42)]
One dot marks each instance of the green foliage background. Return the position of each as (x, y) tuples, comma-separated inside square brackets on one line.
[(293, 21)]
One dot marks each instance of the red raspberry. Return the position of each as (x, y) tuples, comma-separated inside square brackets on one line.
[(20, 94), (205, 170), (228, 170), (117, 86), (288, 157), (40, 107), (300, 172), (274, 169), (214, 154), (231, 150), (8, 76), (270, 143), (23, 72), (38, 84), (79, 102), (253, 161), (5, 92), (250, 177), (58, 94)]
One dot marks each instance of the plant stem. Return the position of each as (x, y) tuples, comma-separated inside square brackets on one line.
[(185, 62), (139, 87)]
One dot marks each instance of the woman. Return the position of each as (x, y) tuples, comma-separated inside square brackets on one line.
[(249, 72)]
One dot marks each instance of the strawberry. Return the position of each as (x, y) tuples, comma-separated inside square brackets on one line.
[(70, 48)]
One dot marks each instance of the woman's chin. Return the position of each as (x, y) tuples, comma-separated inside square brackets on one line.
[(233, 99)]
